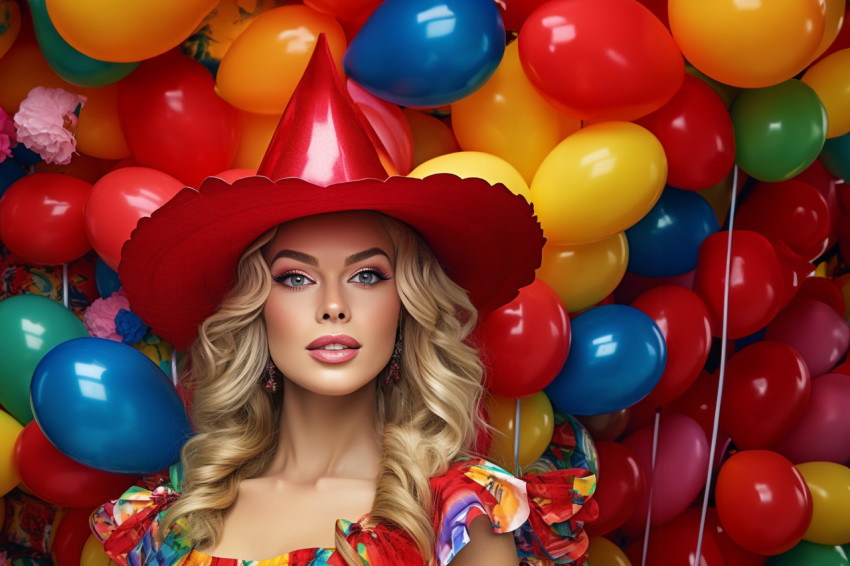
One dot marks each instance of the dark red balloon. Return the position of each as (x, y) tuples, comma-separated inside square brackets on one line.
[(675, 544), (525, 343), (756, 288), (823, 290), (826, 183), (600, 59), (792, 212), (515, 12), (695, 129), (733, 553), (174, 121), (55, 478), (42, 218), (685, 324), (621, 484), (762, 501), (71, 536), (766, 391)]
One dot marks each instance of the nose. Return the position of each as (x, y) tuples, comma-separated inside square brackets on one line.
[(333, 305)]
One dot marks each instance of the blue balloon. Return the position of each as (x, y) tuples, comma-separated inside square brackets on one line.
[(666, 241), (617, 355), (106, 405), (106, 279), (426, 52), (25, 156), (67, 62), (835, 156)]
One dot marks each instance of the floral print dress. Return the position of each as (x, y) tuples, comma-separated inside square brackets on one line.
[(545, 513)]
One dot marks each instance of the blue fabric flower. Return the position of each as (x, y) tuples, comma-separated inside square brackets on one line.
[(129, 326)]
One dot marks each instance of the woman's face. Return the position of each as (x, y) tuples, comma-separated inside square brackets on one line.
[(333, 310)]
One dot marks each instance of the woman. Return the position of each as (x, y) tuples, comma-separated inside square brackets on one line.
[(332, 381)]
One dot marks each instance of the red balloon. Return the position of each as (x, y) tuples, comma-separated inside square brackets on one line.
[(600, 59), (71, 536), (390, 125), (55, 478), (823, 290), (116, 203), (174, 121), (792, 212), (42, 219), (733, 554), (675, 544), (695, 129), (344, 9), (525, 343), (699, 402), (685, 324), (765, 393), (756, 288), (515, 12), (817, 176), (619, 489), (633, 285), (762, 501)]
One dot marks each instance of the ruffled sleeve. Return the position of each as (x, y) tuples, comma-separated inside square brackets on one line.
[(545, 512), (128, 526)]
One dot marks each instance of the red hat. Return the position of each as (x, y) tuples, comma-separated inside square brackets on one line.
[(181, 261)]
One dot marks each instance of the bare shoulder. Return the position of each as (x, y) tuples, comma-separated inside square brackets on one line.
[(486, 547)]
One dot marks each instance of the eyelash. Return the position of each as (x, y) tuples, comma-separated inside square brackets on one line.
[(380, 275)]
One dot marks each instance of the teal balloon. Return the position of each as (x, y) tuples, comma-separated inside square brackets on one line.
[(811, 554), (836, 156), (67, 62), (779, 130), (30, 326)]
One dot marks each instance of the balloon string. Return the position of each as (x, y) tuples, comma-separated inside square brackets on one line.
[(516, 440), (65, 299), (720, 381), (174, 367), (655, 428)]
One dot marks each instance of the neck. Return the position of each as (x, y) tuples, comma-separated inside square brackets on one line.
[(328, 436)]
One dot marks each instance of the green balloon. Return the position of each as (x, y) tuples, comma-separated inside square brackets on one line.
[(30, 325), (779, 130), (810, 554)]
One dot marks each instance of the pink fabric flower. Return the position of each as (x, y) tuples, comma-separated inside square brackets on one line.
[(46, 123), (8, 139), (99, 318)]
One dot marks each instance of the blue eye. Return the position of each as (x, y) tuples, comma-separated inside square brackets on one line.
[(292, 279), (368, 277)]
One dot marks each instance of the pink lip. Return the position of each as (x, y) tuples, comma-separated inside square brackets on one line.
[(333, 356), (342, 339)]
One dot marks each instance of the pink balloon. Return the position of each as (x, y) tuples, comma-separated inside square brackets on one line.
[(681, 464), (815, 330), (389, 123), (823, 432)]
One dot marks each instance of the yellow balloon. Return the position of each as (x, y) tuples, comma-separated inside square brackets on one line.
[(93, 554), (536, 425), (598, 181), (431, 136), (603, 552), (124, 32), (829, 484), (476, 164), (506, 117), (751, 43), (833, 20), (264, 64), (585, 274), (99, 131), (10, 429), (830, 79), (10, 24), (255, 133)]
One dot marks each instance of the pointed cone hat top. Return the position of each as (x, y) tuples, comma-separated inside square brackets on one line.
[(322, 137)]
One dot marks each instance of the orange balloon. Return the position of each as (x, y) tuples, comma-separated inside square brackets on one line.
[(830, 79), (833, 11), (536, 425), (124, 32), (255, 133), (506, 117), (99, 129), (10, 24), (750, 44), (264, 64), (583, 275), (431, 136), (22, 69)]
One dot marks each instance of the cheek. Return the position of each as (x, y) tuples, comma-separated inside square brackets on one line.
[(280, 316)]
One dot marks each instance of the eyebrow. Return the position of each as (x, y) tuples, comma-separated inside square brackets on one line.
[(311, 260)]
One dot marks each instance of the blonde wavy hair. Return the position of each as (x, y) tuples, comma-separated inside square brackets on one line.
[(430, 417)]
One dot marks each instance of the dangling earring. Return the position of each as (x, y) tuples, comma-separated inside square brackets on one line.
[(394, 373), (273, 380)]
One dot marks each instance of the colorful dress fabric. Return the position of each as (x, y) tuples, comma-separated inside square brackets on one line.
[(544, 512)]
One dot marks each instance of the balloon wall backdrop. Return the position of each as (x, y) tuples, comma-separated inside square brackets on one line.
[(686, 335)]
